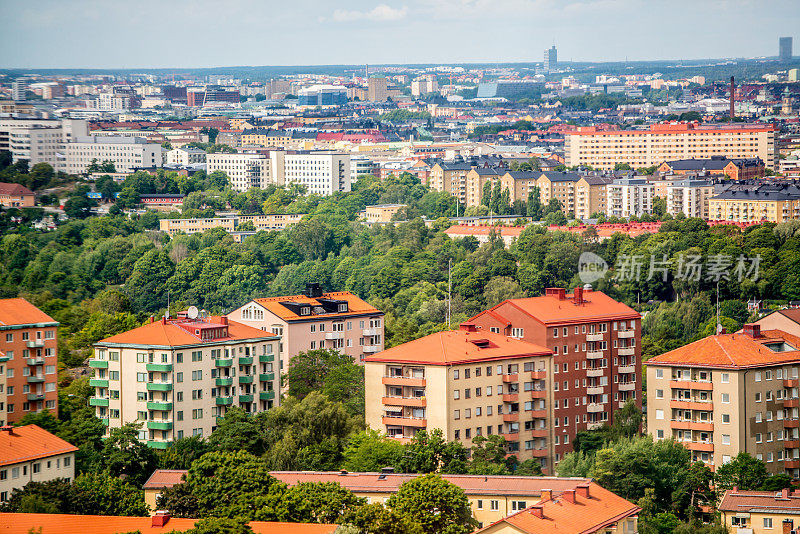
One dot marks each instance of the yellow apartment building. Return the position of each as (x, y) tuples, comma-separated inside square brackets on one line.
[(756, 205), (760, 512)]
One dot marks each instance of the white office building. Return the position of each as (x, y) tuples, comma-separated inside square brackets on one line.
[(39, 140), (127, 153), (244, 170), (323, 173), (186, 156), (360, 165)]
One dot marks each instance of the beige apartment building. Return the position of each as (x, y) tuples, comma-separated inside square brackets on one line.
[(467, 383), (244, 170), (316, 320), (730, 393), (381, 213), (690, 197), (178, 376), (276, 221), (755, 205), (603, 149)]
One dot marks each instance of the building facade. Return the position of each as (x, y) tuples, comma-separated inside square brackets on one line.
[(322, 173), (244, 170), (39, 140), (596, 354), (29, 340), (178, 376), (760, 512), (16, 196), (127, 153), (690, 197), (185, 156), (770, 203), (279, 221), (629, 197)]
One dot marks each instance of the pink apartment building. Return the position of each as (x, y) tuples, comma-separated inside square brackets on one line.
[(315, 320)]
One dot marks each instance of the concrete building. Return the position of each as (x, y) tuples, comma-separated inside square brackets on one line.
[(316, 320), (689, 197), (467, 383), (322, 173), (603, 149), (127, 153), (185, 156), (550, 59), (278, 221), (786, 320), (760, 512), (39, 140), (424, 85), (29, 340), (200, 96), (32, 454), (322, 95), (244, 170), (381, 213), (377, 89), (785, 49), (730, 393), (596, 349), (773, 203), (3, 360), (177, 376), (629, 197), (16, 196), (19, 89), (360, 165), (735, 169)]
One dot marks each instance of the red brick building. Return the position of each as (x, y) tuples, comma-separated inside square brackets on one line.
[(29, 339), (596, 344)]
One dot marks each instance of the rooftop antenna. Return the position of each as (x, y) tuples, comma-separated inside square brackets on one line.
[(166, 315), (719, 325), (192, 312)]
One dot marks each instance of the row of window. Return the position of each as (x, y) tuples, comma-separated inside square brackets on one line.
[(36, 468), (26, 406), (26, 336)]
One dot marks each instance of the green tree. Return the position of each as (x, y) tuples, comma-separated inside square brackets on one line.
[(744, 472), (238, 431), (112, 495), (627, 420), (125, 456), (429, 452), (534, 204), (377, 519), (79, 207), (184, 451), (435, 504), (371, 451), (318, 502), (329, 372)]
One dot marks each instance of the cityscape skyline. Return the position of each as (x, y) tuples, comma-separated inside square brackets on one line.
[(64, 35)]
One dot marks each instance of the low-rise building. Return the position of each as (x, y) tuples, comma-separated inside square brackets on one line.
[(730, 393), (16, 196), (381, 213), (317, 320), (185, 156), (735, 169), (768, 203), (760, 512), (275, 221), (32, 454), (177, 376)]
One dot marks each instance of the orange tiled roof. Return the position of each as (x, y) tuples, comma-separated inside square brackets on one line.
[(29, 442), (560, 516), (170, 334), (14, 189), (355, 306), (745, 501), (459, 346), (548, 309), (104, 524), (20, 311), (465, 230), (731, 351), (372, 482)]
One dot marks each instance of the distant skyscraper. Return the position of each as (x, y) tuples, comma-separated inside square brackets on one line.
[(18, 89), (785, 49), (550, 59)]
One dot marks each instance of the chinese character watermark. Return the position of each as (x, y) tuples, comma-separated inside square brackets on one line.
[(690, 267)]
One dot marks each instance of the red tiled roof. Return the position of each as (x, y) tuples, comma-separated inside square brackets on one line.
[(179, 332), (599, 510), (21, 312), (14, 189), (104, 524), (29, 442), (355, 306), (464, 230), (732, 351), (745, 501), (459, 346), (372, 482)]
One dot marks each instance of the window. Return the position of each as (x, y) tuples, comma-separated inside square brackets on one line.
[(767, 522), (726, 418), (726, 439), (659, 414), (659, 393), (494, 505), (726, 398), (758, 376), (480, 504), (457, 414), (456, 394), (455, 374), (141, 377), (758, 397), (517, 332), (197, 413)]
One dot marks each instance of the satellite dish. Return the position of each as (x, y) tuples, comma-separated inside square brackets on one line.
[(192, 312)]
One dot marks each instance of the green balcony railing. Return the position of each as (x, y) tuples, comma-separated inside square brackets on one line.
[(223, 362), (266, 377), (97, 401), (35, 379), (266, 358), (159, 386), (245, 379), (224, 381), (35, 396), (98, 382), (104, 420), (162, 406), (98, 364), (245, 398), (158, 444), (245, 360), (224, 401), (266, 395), (159, 367), (159, 425)]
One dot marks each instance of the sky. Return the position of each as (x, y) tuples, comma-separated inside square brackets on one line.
[(209, 33)]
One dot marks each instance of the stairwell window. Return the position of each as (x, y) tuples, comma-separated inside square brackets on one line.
[(517, 332)]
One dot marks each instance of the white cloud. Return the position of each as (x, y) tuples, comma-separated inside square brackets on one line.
[(379, 13)]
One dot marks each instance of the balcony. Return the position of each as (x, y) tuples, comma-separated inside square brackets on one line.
[(691, 384), (223, 362), (511, 417), (540, 374), (35, 396), (594, 373), (33, 379), (159, 367), (622, 334), (790, 423), (691, 405), (245, 379), (245, 398), (98, 382), (594, 355), (791, 403), (104, 420), (158, 444), (594, 407), (371, 332), (404, 421), (403, 381), (511, 397), (793, 463), (266, 358), (98, 401), (224, 381), (539, 453), (790, 382), (371, 348), (266, 377), (627, 386), (699, 446), (626, 369), (414, 402), (37, 344), (626, 351), (791, 444), (159, 425), (538, 414), (266, 395), (159, 406), (594, 337), (245, 360), (512, 436), (509, 379), (334, 335), (538, 394), (539, 433), (98, 364), (595, 390), (34, 361), (594, 426), (223, 401), (692, 425), (159, 386)]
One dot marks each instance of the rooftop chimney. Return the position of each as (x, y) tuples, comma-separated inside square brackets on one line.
[(223, 320), (569, 496), (547, 494), (557, 292), (468, 327), (7, 428), (577, 296), (752, 330), (582, 490), (160, 518), (785, 493), (537, 510), (164, 320)]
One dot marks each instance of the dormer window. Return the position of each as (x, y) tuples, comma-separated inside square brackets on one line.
[(305, 310), (343, 308)]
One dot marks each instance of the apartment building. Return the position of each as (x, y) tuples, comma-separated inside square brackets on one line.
[(377, 89), (178, 376), (730, 393), (29, 340), (470, 193), (322, 173), (735, 169), (491, 497), (558, 185), (263, 137), (127, 153), (244, 170), (16, 196), (32, 454), (3, 360), (424, 85), (603, 148), (317, 320), (39, 140), (629, 197), (786, 320), (591, 195), (690, 197), (451, 177), (760, 512), (185, 156), (595, 342), (381, 213), (772, 203), (276, 221), (467, 383)]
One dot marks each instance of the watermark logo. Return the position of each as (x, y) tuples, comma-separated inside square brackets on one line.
[(689, 267), (591, 267)]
